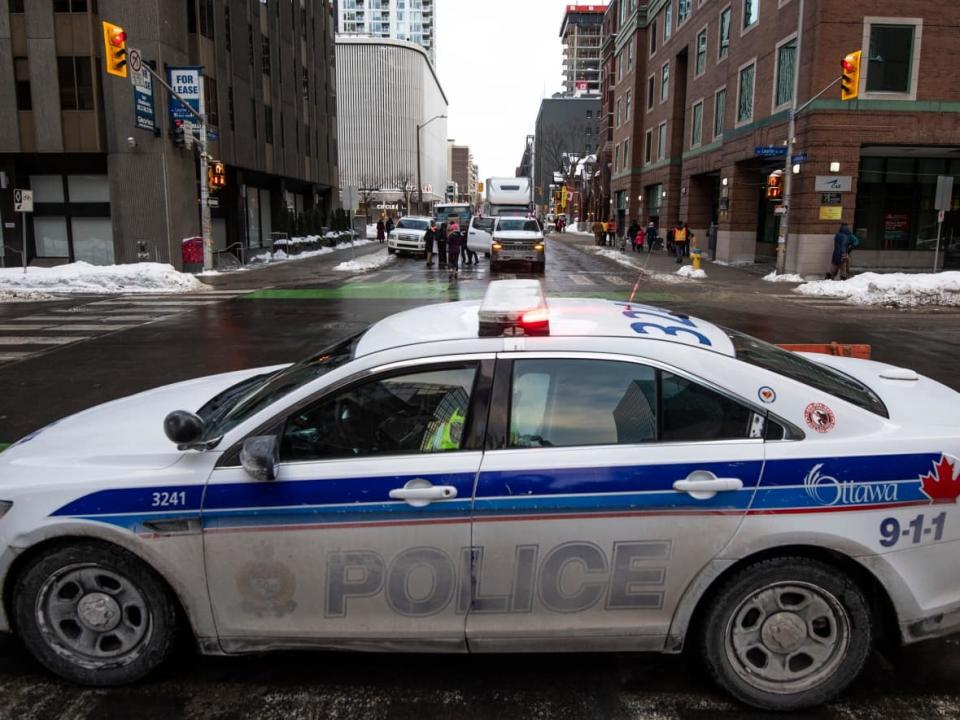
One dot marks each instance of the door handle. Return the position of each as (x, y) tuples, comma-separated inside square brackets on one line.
[(703, 484), (419, 492)]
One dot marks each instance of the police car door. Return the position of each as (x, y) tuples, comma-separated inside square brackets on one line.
[(610, 485), (360, 539)]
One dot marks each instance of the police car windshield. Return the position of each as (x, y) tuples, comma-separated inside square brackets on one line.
[(796, 367), (248, 398), (408, 224)]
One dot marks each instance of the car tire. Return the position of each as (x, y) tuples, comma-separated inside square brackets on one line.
[(391, 251), (70, 602), (806, 615)]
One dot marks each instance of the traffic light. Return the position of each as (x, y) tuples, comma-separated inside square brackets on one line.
[(850, 80), (176, 132), (216, 175), (115, 49), (775, 185)]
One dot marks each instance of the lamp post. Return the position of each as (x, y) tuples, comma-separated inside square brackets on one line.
[(419, 182)]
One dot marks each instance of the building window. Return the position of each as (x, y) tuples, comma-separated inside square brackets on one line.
[(265, 54), (16, 6), (21, 73), (76, 83), (630, 56), (250, 41), (211, 102), (701, 52), (205, 14), (253, 116), (626, 114), (889, 58), (683, 12), (745, 94), (719, 110), (651, 91), (589, 114), (230, 112), (696, 126), (306, 83), (618, 111), (665, 82), (668, 21), (68, 6), (619, 62), (268, 123), (662, 140), (226, 28), (751, 13), (648, 146), (653, 36), (724, 40), (616, 158), (786, 69), (626, 153)]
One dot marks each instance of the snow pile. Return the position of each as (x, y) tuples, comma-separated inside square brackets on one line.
[(86, 279), (687, 271), (785, 278), (894, 289), (281, 255), (12, 296), (623, 258), (585, 233), (366, 264), (372, 231)]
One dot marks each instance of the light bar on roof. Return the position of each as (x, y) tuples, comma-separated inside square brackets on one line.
[(514, 307)]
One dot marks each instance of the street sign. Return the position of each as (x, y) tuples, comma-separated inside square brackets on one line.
[(143, 105), (944, 197), (23, 201), (213, 202), (350, 197), (941, 214), (831, 198), (770, 151), (798, 158), (134, 63), (213, 135), (187, 82), (780, 210), (188, 138), (831, 212), (833, 183)]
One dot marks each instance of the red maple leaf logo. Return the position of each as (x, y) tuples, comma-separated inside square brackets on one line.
[(941, 485)]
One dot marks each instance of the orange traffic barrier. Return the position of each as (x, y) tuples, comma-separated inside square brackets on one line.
[(861, 352)]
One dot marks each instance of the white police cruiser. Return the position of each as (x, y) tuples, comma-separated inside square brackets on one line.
[(496, 476)]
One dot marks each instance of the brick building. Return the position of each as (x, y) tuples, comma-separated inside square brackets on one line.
[(702, 92), (106, 191)]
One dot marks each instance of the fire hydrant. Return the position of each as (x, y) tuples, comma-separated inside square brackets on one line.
[(695, 258)]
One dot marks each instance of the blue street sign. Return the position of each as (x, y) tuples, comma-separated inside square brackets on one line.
[(213, 135), (798, 159), (769, 151)]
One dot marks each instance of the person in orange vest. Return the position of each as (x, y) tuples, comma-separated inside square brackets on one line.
[(611, 232), (680, 241)]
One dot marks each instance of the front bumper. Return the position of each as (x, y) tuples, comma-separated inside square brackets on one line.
[(942, 623), (517, 255), (407, 245)]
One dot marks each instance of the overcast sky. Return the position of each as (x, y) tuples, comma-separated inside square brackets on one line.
[(496, 59)]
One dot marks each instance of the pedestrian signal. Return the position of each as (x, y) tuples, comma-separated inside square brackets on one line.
[(850, 79), (114, 49), (216, 175), (775, 185)]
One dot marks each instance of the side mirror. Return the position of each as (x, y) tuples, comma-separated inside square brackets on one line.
[(260, 457), (183, 427)]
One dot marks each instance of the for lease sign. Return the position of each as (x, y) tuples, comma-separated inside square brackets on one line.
[(187, 82)]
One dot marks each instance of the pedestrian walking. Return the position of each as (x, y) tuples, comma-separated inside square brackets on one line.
[(429, 237), (389, 225), (442, 246), (843, 244), (651, 233), (671, 245), (598, 232), (634, 236), (467, 256), (680, 241), (454, 239), (381, 230), (611, 231)]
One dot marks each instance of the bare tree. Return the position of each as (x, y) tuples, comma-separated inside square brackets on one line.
[(406, 182), (369, 184)]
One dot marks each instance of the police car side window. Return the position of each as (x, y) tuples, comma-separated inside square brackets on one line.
[(559, 402), (423, 412), (691, 412)]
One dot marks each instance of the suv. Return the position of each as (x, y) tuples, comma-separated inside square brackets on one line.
[(407, 236), (517, 239)]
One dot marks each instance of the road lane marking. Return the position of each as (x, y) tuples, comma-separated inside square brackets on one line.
[(40, 339), (95, 328), (582, 280), (616, 280)]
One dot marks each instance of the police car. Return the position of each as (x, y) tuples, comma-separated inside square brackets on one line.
[(508, 475)]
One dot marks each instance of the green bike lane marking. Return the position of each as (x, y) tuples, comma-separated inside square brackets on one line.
[(430, 291), (4, 446)]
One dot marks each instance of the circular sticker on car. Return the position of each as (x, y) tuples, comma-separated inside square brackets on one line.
[(819, 417), (767, 394)]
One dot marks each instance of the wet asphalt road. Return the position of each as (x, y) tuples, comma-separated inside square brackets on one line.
[(96, 349)]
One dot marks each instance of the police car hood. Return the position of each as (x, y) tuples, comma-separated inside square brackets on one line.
[(124, 433), (909, 396)]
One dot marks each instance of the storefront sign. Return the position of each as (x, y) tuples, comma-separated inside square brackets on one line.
[(833, 183), (831, 198), (187, 82), (831, 212), (896, 229)]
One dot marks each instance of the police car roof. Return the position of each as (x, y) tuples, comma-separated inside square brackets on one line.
[(569, 317)]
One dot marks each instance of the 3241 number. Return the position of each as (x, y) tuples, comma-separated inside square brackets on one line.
[(917, 530), (169, 499)]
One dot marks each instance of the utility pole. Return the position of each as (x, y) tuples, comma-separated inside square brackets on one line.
[(419, 181), (788, 163)]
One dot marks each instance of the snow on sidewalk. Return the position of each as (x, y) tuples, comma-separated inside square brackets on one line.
[(893, 289), (785, 278), (688, 271), (624, 258), (366, 263), (86, 279), (282, 256)]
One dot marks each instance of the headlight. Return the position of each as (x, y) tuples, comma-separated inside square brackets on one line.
[(496, 246)]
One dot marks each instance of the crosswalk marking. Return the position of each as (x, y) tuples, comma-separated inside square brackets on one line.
[(40, 339), (26, 328), (616, 280), (94, 328), (90, 317), (582, 280)]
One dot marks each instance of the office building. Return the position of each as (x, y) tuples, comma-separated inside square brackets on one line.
[(566, 128), (409, 20), (463, 172), (106, 190), (581, 35)]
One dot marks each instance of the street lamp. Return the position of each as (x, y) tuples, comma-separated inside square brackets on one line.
[(419, 182)]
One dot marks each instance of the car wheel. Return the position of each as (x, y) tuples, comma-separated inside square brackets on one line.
[(94, 614), (787, 633), (390, 250)]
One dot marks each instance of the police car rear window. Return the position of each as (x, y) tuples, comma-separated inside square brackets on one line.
[(796, 367)]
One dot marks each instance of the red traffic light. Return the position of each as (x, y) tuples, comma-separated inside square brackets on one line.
[(847, 65), (119, 38)]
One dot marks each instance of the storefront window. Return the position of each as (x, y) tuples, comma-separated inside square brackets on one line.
[(93, 240), (50, 236), (47, 188), (891, 47), (88, 188)]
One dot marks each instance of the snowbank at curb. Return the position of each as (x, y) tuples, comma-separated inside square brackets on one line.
[(282, 256), (85, 279), (688, 271), (893, 289), (785, 278), (366, 264), (623, 258)]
